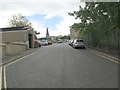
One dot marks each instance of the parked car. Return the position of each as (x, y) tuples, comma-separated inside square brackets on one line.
[(59, 41), (37, 43), (70, 42), (49, 42), (44, 42), (78, 43)]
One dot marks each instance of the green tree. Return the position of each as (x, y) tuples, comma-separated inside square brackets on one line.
[(98, 23)]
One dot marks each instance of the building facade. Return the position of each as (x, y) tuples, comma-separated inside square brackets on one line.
[(16, 39)]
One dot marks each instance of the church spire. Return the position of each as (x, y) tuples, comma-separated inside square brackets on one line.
[(47, 33)]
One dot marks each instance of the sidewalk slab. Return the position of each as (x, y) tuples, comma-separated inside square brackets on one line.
[(10, 58)]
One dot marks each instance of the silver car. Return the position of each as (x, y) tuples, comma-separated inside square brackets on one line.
[(44, 42), (71, 42), (78, 43)]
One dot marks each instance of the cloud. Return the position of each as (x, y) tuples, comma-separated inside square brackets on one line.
[(40, 28), (39, 1), (63, 27), (50, 8)]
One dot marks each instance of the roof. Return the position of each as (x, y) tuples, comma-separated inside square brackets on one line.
[(13, 29)]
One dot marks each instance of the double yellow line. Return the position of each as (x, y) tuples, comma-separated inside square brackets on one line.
[(0, 78), (6, 65), (110, 58), (3, 83), (4, 78)]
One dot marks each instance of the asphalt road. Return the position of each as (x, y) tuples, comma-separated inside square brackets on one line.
[(61, 66)]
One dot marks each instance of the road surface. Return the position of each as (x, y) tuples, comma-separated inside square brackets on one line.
[(61, 66)]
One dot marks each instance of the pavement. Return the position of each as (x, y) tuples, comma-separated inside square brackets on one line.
[(11, 58), (61, 66)]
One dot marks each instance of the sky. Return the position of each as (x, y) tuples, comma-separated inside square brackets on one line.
[(51, 14)]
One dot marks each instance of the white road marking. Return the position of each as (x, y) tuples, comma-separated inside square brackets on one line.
[(12, 62)]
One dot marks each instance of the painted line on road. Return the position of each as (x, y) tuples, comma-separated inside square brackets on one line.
[(12, 62), (14, 59), (106, 57), (6, 65), (0, 78), (4, 79)]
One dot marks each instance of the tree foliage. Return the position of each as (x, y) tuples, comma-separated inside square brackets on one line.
[(98, 23), (63, 37), (19, 20)]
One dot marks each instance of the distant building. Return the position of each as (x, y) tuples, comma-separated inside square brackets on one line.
[(16, 39), (73, 33)]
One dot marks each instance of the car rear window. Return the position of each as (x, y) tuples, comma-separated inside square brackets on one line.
[(79, 40)]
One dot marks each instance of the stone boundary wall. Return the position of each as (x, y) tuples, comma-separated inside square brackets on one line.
[(12, 48)]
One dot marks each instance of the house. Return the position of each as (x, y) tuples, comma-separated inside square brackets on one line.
[(15, 40)]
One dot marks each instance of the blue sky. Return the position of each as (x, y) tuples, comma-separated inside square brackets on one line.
[(46, 22)]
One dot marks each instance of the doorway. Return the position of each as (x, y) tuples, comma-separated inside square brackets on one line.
[(30, 40)]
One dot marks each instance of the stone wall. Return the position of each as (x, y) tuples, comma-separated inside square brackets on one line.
[(73, 33), (14, 36), (14, 42), (12, 49), (2, 51), (15, 48)]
